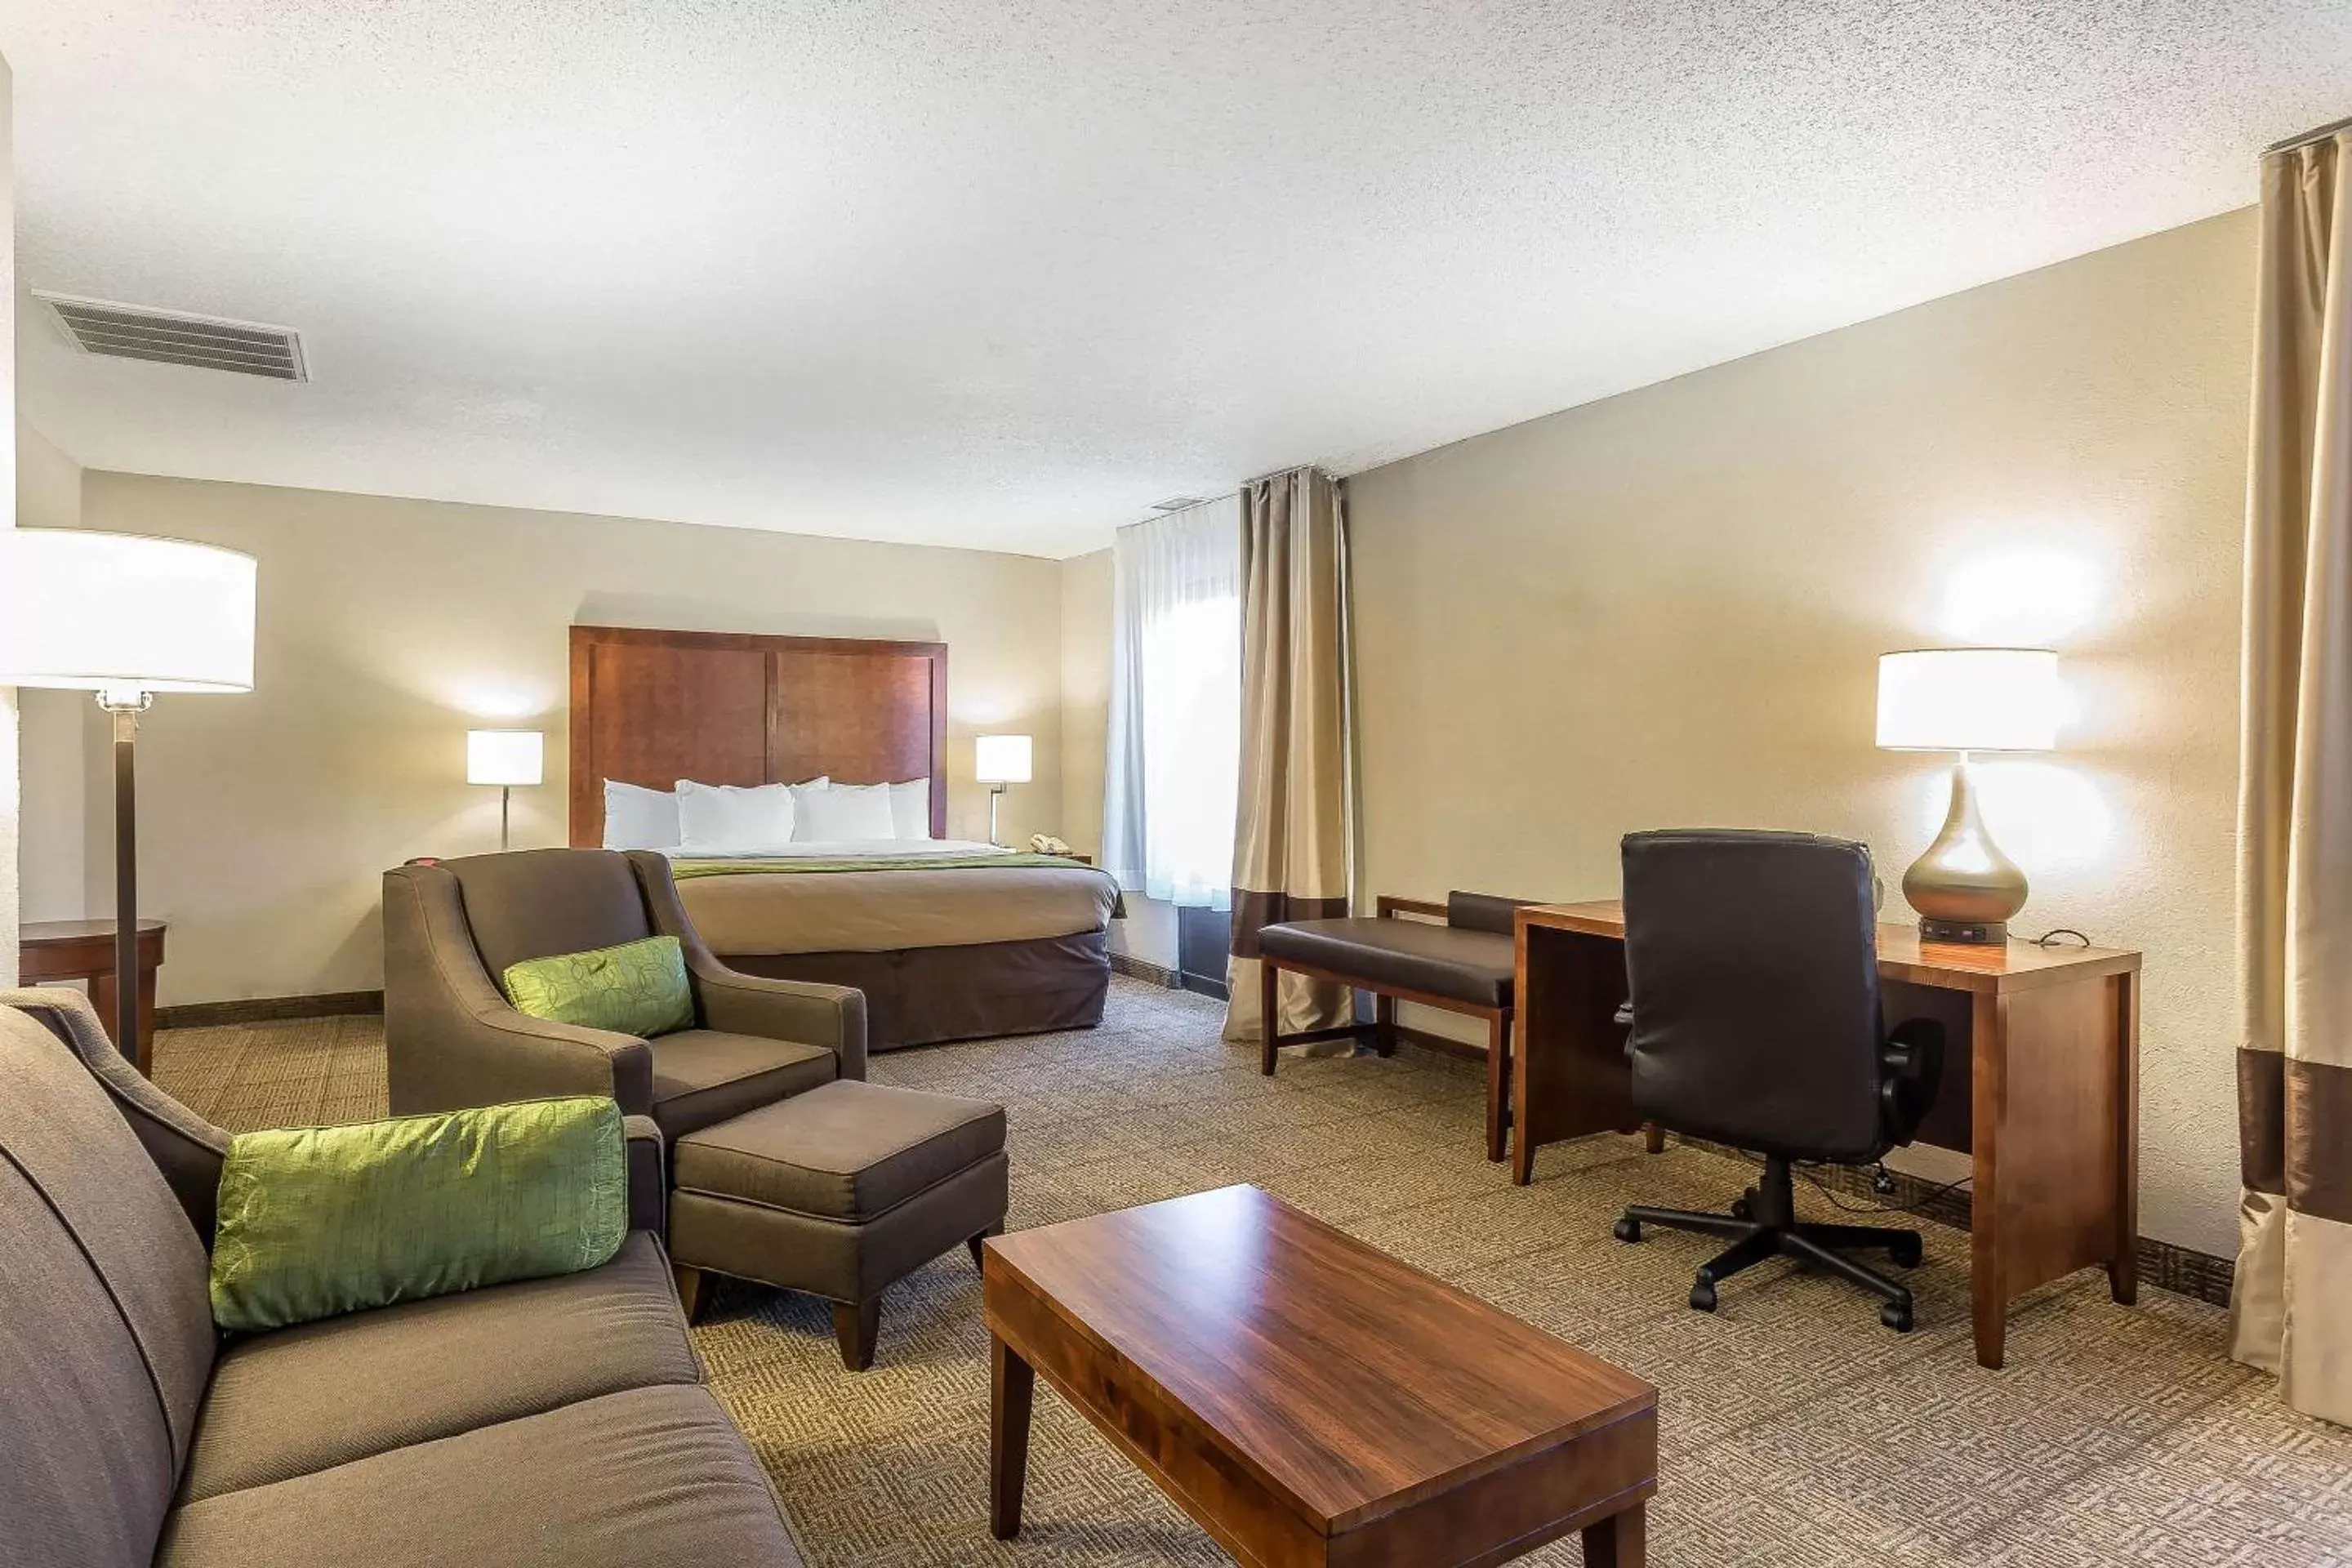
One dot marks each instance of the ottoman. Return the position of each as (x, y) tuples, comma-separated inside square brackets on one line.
[(837, 1191)]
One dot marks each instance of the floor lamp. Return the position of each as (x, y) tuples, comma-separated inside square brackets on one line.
[(127, 617)]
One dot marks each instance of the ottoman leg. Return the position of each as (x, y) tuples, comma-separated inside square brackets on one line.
[(689, 1289), (855, 1326), (996, 1229)]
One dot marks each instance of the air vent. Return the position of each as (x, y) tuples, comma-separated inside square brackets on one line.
[(1177, 503), (173, 337)]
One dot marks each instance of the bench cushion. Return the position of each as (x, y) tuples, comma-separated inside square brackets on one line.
[(1473, 967), (845, 1151)]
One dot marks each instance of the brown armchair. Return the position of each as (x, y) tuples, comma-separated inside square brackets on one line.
[(451, 927)]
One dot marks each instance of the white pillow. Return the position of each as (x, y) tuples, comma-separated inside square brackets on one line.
[(730, 819), (911, 809), (637, 818), (845, 811)]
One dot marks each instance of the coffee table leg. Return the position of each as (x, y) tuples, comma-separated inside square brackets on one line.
[(1621, 1541), (1012, 1386)]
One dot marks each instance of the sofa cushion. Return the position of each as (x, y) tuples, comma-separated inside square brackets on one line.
[(318, 1221), (702, 1075), (63, 1132), (533, 902), (649, 1478), (638, 988), (325, 1393), (848, 1151), (1461, 965)]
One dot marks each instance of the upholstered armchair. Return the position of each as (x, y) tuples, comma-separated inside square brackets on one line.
[(451, 927)]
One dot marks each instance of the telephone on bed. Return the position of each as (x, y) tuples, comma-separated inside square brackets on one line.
[(1047, 843)]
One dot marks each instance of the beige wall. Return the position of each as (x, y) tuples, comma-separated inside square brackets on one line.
[(389, 627), (1663, 609), (8, 503), (52, 857)]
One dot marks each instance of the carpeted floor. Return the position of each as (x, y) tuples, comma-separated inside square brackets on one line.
[(1796, 1432)]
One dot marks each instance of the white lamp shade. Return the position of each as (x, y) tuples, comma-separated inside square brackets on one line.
[(1002, 759), (1969, 699), (505, 757), (122, 612)]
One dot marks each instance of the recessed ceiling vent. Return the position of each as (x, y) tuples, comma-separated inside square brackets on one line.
[(1177, 503), (175, 337)]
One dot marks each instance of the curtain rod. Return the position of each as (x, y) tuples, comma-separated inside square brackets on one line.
[(2309, 137)]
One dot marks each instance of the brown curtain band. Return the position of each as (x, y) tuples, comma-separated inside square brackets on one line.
[(2318, 1110), (2261, 1120), (1252, 912)]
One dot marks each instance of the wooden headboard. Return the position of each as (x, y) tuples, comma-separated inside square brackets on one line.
[(725, 708)]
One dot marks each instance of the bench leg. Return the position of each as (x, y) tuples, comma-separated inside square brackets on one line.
[(1498, 1079), (1384, 1034), (973, 1242), (1269, 991)]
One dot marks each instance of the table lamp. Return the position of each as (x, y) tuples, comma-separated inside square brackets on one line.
[(1000, 760), (505, 758), (1966, 699), (125, 616)]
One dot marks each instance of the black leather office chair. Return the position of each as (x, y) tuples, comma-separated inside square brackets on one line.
[(1752, 962)]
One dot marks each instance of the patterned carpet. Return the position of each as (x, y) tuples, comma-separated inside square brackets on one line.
[(1796, 1433)]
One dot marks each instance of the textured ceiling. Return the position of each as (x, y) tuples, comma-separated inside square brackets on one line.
[(1001, 274)]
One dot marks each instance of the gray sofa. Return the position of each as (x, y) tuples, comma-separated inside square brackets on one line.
[(555, 1423)]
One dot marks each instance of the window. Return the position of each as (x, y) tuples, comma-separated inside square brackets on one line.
[(1174, 769)]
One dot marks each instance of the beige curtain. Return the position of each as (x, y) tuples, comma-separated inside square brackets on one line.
[(2291, 1308), (1292, 833)]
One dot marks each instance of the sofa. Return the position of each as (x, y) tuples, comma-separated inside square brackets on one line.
[(557, 1423), (451, 927)]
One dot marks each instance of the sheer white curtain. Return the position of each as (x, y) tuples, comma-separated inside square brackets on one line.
[(1173, 773)]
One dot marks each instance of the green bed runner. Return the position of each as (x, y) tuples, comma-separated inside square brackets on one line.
[(945, 861)]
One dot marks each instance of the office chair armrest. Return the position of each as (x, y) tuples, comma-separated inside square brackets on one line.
[(1913, 1063)]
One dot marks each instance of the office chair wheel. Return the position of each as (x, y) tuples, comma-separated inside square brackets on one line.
[(1702, 1297), (1627, 1229), (1896, 1315), (1906, 1253), (1743, 1206)]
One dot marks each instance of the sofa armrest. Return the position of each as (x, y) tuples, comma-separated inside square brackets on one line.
[(648, 1178), (833, 1017), (451, 1037)]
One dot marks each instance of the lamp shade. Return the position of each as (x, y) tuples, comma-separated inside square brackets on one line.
[(123, 613), (1969, 699), (1002, 759), (505, 757)]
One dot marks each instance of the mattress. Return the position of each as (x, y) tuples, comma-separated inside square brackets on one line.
[(887, 896)]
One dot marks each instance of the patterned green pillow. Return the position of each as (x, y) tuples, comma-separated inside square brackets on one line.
[(317, 1221), (638, 988)]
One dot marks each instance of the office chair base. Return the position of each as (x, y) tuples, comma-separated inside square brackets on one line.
[(1763, 1223)]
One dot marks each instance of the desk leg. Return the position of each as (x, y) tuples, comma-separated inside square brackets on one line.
[(2123, 1271), (1569, 1076), (1013, 1386), (1621, 1541)]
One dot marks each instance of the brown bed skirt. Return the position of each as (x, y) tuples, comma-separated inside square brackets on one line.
[(921, 996)]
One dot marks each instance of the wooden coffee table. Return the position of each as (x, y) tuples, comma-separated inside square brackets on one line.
[(1308, 1399)]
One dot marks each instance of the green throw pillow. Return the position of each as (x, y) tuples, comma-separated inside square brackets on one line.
[(315, 1221), (636, 988)]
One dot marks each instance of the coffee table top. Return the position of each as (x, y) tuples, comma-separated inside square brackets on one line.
[(1351, 1382)]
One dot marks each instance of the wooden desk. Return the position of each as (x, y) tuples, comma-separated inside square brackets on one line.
[(1309, 1400), (84, 950), (2046, 1097)]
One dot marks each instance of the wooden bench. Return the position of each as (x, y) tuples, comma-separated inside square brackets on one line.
[(1457, 956)]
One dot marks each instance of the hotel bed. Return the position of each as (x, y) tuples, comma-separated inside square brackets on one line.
[(949, 939)]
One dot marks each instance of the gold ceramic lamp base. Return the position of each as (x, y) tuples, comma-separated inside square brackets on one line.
[(1964, 888)]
